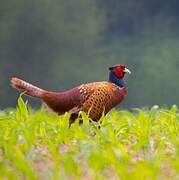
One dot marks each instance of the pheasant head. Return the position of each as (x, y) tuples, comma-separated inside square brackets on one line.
[(117, 74)]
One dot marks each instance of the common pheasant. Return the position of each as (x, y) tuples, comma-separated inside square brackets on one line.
[(93, 98)]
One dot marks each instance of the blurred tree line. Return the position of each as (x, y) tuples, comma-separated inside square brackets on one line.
[(62, 43)]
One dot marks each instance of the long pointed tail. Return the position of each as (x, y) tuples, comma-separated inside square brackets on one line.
[(26, 87)]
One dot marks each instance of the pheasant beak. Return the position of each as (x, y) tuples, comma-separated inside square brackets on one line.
[(127, 71)]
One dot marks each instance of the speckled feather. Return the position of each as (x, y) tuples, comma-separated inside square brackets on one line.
[(99, 97)]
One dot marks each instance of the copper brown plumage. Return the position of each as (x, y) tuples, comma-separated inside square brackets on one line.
[(93, 98)]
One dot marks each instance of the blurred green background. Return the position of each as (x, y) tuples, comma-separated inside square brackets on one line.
[(62, 43)]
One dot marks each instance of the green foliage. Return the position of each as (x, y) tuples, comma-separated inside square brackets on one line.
[(142, 144)]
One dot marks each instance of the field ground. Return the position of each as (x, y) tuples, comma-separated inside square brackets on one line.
[(142, 144)]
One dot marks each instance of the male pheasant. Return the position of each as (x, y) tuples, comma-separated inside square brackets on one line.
[(93, 98)]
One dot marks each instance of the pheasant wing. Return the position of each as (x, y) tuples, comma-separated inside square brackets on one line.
[(98, 101)]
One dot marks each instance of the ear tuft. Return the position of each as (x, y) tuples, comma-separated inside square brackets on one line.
[(111, 68)]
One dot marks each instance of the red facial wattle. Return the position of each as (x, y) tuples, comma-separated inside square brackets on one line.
[(119, 72)]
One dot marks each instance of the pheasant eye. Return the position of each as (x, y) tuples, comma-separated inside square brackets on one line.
[(122, 67)]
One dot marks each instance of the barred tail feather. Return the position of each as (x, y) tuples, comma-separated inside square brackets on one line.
[(26, 87)]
